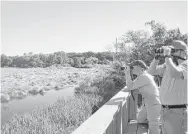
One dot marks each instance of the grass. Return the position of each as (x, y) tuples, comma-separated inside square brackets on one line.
[(64, 116)]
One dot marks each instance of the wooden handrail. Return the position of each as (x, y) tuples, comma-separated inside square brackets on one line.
[(111, 118)]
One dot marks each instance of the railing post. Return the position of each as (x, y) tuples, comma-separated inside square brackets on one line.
[(132, 108), (118, 120), (125, 116)]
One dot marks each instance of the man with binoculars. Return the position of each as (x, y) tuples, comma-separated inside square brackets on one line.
[(145, 84), (173, 90)]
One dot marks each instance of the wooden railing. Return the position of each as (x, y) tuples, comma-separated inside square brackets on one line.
[(112, 117)]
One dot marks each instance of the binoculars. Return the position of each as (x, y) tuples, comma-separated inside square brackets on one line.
[(160, 51)]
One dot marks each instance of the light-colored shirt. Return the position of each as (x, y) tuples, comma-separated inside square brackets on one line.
[(147, 87), (173, 91)]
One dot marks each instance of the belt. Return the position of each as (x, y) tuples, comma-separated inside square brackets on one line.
[(175, 106)]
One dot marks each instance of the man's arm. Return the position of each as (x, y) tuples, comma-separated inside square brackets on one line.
[(128, 82), (139, 82), (156, 69), (176, 71), (128, 78)]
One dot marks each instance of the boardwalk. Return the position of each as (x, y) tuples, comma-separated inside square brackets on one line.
[(117, 116)]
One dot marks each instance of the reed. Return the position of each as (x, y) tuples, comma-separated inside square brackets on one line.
[(61, 117)]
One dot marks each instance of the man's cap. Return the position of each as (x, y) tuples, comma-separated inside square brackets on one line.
[(140, 63), (178, 44)]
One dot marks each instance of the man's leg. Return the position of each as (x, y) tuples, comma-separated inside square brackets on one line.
[(174, 121), (184, 124), (142, 115), (153, 115)]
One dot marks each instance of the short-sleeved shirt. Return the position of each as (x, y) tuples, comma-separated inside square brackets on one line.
[(173, 91), (147, 87)]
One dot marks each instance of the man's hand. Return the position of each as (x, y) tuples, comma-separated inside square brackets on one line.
[(167, 50), (127, 70), (128, 76)]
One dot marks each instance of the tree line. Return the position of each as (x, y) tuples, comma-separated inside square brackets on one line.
[(57, 58), (133, 45)]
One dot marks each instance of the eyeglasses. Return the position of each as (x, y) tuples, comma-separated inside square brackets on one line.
[(181, 55), (176, 50), (122, 68)]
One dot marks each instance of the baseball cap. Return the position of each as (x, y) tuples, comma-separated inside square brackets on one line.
[(139, 63), (178, 44)]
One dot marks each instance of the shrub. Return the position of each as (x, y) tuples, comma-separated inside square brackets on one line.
[(87, 66), (116, 65), (105, 85), (91, 60), (77, 62)]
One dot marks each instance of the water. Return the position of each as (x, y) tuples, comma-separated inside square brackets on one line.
[(31, 102)]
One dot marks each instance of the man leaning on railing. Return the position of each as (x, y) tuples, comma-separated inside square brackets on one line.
[(149, 90), (173, 90)]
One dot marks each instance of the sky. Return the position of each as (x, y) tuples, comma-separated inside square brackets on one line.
[(51, 26)]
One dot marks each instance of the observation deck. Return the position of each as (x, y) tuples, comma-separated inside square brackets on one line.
[(117, 116)]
